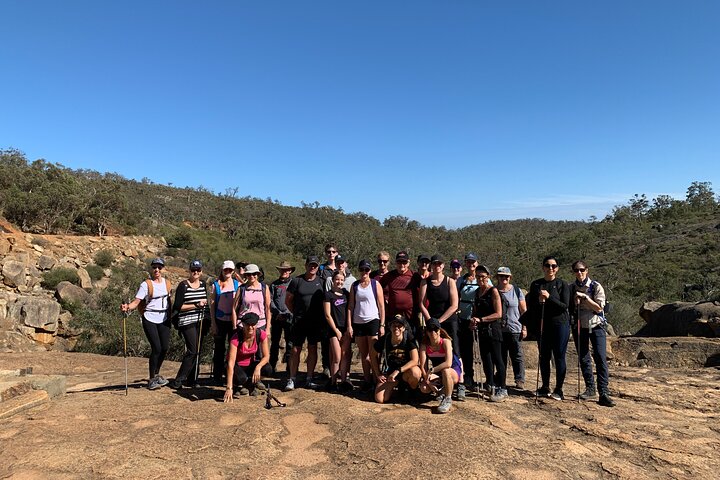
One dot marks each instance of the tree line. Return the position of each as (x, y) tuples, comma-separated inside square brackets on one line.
[(647, 249)]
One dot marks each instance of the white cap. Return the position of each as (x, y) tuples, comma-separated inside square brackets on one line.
[(251, 268), (228, 264)]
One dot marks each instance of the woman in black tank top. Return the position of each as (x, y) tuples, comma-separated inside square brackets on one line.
[(441, 293)]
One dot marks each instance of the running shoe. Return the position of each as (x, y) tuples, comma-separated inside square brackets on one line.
[(289, 385), (445, 404)]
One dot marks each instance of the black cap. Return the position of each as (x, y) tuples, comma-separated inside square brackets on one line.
[(437, 258), (312, 259), (402, 257), (432, 323), (250, 318), (340, 259), (422, 257), (195, 264), (455, 263), (399, 319), (471, 256), (157, 261), (364, 263)]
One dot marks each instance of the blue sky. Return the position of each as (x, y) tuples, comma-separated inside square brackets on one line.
[(450, 113)]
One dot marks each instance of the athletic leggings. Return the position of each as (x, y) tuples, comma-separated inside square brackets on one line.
[(187, 367), (554, 344), (158, 334), (492, 360), (223, 334), (243, 375)]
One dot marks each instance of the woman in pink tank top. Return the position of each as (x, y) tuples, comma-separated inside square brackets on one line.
[(439, 365)]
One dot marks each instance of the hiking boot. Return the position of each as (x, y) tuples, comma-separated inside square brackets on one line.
[(289, 385), (244, 391), (542, 392), (557, 395), (445, 404), (153, 384), (176, 384), (346, 386), (499, 396), (326, 373), (255, 392), (260, 386), (312, 384), (162, 381), (606, 401), (461, 393), (520, 385), (589, 394)]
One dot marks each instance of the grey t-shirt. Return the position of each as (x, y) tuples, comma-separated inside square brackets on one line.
[(513, 310)]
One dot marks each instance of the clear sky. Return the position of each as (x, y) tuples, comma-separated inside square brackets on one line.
[(450, 113)]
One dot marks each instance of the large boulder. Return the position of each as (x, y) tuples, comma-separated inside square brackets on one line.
[(678, 319), (13, 273), (36, 312), (46, 262), (84, 276), (70, 293)]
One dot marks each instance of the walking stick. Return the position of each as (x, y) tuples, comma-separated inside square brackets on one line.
[(199, 346), (127, 314), (537, 377), (477, 364), (577, 320)]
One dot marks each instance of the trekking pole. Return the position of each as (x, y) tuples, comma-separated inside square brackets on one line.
[(199, 347), (577, 349), (537, 377), (269, 398), (127, 314), (477, 364)]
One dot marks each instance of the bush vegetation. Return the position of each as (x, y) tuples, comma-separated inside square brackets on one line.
[(104, 258), (95, 272), (61, 274), (660, 249)]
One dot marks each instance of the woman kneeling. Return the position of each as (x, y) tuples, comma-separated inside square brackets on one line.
[(445, 370), (398, 360), (248, 358)]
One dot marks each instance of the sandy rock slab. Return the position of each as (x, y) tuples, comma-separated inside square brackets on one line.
[(666, 425)]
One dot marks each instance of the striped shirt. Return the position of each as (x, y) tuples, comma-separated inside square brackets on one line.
[(192, 295)]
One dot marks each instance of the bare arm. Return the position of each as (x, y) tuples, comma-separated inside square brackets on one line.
[(232, 356), (423, 295)]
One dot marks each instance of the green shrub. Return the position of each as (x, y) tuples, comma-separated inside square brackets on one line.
[(180, 239), (95, 272), (104, 258), (53, 277), (39, 241)]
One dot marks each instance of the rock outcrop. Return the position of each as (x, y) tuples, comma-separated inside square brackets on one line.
[(700, 319)]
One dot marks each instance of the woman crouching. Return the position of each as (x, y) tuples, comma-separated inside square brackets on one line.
[(445, 370), (398, 361), (248, 358)]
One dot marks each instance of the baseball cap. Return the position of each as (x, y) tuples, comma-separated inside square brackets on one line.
[(196, 265), (402, 257), (228, 264), (312, 259), (503, 271), (432, 323), (455, 263), (471, 256), (157, 261), (251, 268), (437, 258)]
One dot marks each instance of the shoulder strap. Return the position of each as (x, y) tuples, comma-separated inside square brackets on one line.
[(150, 288), (373, 284), (517, 292), (236, 284), (355, 287)]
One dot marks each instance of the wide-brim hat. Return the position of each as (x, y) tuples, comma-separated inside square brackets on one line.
[(285, 265), (252, 268)]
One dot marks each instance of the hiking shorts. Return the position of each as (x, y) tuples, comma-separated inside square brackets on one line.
[(303, 330), (369, 329)]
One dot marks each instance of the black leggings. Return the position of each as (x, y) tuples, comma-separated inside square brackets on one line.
[(187, 367), (222, 337), (158, 334), (241, 375), (493, 362)]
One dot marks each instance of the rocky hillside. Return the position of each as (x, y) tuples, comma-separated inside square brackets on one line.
[(33, 317)]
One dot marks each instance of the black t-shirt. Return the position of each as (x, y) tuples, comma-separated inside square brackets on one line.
[(307, 297), (338, 307), (396, 355)]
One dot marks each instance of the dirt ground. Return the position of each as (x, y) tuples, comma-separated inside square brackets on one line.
[(666, 425)]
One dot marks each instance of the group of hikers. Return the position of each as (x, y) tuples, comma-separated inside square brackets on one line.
[(421, 332)]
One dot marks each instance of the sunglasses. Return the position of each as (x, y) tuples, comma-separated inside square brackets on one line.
[(196, 270), (364, 270), (330, 251), (550, 265), (432, 329), (399, 326), (254, 274), (383, 261), (576, 270), (157, 267)]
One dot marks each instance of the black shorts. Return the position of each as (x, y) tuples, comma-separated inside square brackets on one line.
[(369, 329), (302, 331)]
